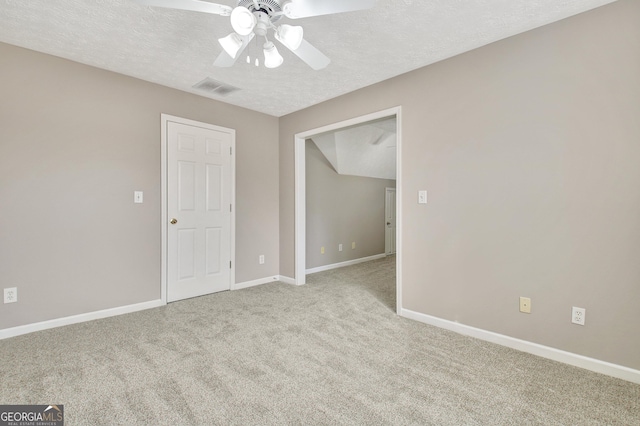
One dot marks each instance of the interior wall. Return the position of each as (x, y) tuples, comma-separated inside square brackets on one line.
[(341, 209), (529, 150), (75, 142)]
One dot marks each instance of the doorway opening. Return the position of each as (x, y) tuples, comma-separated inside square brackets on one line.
[(300, 192)]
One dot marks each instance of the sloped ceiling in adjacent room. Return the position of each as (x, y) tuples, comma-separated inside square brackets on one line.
[(367, 150)]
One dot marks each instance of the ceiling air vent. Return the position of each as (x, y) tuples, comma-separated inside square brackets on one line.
[(214, 87)]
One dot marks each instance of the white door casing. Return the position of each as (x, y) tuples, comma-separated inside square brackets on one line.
[(390, 221), (199, 199)]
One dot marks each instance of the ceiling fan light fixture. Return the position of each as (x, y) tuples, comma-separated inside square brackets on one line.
[(290, 35), (242, 20), (272, 58), (231, 44), (288, 10)]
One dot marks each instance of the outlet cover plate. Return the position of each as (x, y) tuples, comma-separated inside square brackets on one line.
[(525, 305), (578, 315), (10, 295)]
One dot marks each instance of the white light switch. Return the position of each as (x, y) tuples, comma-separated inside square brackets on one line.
[(137, 197), (422, 197)]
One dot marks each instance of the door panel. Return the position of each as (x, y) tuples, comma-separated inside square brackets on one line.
[(186, 186), (186, 253), (390, 221), (214, 242), (214, 187), (199, 199)]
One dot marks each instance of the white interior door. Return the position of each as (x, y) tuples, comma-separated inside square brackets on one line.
[(390, 221), (199, 196)]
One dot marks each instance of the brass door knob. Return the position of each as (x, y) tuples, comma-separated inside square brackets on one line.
[(174, 221), (388, 223)]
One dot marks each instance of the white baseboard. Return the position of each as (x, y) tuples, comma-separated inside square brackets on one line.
[(253, 283), (343, 264), (59, 322), (286, 280), (576, 360)]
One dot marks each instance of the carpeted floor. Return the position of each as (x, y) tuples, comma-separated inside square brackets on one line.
[(330, 352)]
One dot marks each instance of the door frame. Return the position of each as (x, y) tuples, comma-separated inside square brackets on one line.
[(386, 238), (300, 192), (164, 201)]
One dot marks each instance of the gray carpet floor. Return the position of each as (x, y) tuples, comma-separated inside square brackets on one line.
[(330, 352)]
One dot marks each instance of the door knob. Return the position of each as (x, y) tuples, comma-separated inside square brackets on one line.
[(174, 221), (388, 223)]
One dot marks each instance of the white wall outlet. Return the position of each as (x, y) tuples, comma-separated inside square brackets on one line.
[(322, 250), (11, 295), (422, 197), (339, 247), (261, 259), (525, 305), (353, 245), (138, 197), (578, 315)]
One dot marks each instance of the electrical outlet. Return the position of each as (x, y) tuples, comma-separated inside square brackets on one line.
[(578, 315), (11, 295), (353, 245), (261, 259), (525, 305), (322, 250), (339, 247)]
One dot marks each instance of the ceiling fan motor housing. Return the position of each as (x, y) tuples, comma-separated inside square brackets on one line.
[(271, 8)]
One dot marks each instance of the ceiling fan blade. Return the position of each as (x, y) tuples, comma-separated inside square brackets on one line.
[(312, 56), (306, 8), (224, 60), (193, 5)]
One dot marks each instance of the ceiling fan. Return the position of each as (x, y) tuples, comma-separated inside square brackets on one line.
[(252, 18)]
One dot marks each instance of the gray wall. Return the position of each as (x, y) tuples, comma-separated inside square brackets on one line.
[(529, 149), (340, 210), (75, 142)]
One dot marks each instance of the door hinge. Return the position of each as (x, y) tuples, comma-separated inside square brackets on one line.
[(231, 208), (230, 150), (229, 264)]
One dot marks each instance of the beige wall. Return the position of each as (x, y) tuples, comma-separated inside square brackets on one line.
[(530, 151), (75, 142), (341, 209)]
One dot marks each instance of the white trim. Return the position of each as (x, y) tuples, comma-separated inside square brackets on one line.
[(163, 208), (165, 119), (286, 280), (253, 283), (300, 243), (300, 192), (399, 216), (346, 263), (90, 316), (592, 364)]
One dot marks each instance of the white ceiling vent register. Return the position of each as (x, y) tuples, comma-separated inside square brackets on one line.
[(215, 87)]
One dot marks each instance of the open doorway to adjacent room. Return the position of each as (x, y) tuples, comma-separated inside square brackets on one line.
[(361, 153)]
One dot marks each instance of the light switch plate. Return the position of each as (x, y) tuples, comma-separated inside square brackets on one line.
[(138, 197), (422, 197)]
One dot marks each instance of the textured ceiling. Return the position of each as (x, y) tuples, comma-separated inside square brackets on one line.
[(177, 48), (367, 150)]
